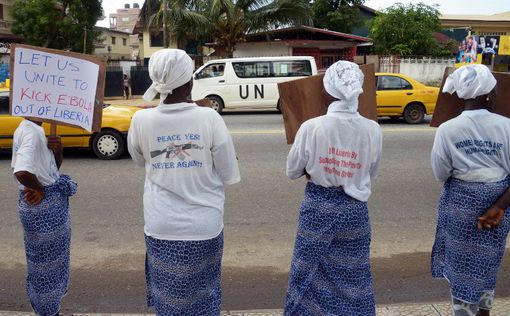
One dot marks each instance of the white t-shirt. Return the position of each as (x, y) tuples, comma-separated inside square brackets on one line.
[(30, 153), (473, 147), (338, 149), (189, 156)]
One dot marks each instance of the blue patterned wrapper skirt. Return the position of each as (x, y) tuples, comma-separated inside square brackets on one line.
[(330, 271), (184, 277), (47, 236), (467, 257)]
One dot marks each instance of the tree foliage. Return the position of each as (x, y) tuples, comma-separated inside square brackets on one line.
[(226, 22), (233, 20), (57, 24), (185, 19), (337, 15), (406, 30)]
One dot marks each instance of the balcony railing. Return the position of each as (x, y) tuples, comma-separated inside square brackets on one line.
[(5, 24)]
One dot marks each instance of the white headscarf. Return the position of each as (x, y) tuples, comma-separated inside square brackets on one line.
[(344, 81), (169, 69), (470, 81)]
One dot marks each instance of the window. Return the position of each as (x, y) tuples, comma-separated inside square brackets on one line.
[(124, 41), (252, 69), (393, 83), (293, 68), (4, 104), (1, 11), (156, 40), (113, 40), (125, 19), (211, 71)]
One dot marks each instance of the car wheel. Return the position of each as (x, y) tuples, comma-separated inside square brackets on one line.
[(414, 113), (108, 145), (216, 103)]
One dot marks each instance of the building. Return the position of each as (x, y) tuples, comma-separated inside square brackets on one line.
[(125, 19), (150, 42), (113, 45), (6, 36), (366, 15), (326, 46)]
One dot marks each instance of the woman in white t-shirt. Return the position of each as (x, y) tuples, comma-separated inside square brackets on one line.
[(189, 157), (44, 213), (471, 154), (339, 152)]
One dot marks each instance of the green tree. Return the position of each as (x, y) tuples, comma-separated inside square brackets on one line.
[(226, 22), (57, 24), (406, 30), (233, 20), (185, 19), (337, 15)]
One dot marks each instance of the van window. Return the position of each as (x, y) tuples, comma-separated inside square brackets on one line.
[(211, 71), (252, 69), (292, 68), (4, 105)]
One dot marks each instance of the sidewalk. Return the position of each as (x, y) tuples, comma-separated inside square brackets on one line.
[(501, 308)]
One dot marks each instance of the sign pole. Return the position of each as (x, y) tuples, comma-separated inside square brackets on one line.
[(53, 130)]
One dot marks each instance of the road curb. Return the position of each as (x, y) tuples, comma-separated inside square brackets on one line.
[(501, 308)]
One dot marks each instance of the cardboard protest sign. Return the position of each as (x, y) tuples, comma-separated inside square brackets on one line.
[(57, 87), (449, 106), (303, 99)]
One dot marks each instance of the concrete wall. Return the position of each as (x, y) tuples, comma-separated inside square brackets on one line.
[(369, 59), (427, 71)]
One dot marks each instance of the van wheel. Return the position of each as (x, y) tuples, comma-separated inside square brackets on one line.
[(216, 103), (414, 113)]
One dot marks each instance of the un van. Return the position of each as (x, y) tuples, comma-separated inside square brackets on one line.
[(248, 82)]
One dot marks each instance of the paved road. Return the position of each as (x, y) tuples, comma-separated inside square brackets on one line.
[(260, 224)]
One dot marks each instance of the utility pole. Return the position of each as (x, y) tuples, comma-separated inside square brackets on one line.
[(164, 24)]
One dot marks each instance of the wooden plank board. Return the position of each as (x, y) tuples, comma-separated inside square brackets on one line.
[(58, 78), (303, 99), (449, 106)]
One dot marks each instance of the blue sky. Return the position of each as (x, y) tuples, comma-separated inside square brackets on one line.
[(445, 6)]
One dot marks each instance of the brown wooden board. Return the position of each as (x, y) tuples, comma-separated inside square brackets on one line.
[(449, 106), (303, 99), (98, 102)]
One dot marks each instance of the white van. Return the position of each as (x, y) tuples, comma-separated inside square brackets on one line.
[(248, 82)]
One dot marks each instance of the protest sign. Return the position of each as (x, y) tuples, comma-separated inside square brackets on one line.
[(57, 87), (303, 99), (449, 106)]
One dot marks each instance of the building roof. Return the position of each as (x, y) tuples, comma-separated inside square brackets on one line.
[(502, 17), (305, 33), (365, 8), (105, 29)]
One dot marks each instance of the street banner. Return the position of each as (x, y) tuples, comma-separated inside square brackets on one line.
[(57, 87), (303, 99), (449, 106)]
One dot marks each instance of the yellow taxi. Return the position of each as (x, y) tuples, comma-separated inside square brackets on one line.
[(401, 96), (109, 143)]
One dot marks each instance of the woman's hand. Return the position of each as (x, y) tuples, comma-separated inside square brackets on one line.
[(33, 197), (491, 218), (55, 145)]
